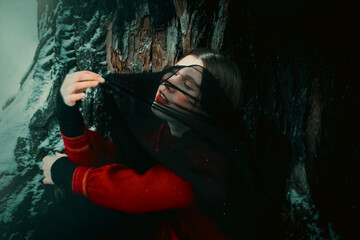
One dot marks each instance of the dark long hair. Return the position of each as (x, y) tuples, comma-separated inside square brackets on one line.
[(271, 150), (224, 70), (212, 156)]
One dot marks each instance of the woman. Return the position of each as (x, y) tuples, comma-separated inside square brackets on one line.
[(189, 162)]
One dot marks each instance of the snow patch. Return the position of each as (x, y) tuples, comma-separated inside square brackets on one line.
[(96, 36), (298, 200), (15, 118), (67, 42), (90, 23)]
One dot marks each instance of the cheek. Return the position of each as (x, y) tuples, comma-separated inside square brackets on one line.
[(183, 100)]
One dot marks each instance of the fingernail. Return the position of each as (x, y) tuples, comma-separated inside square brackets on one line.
[(102, 80)]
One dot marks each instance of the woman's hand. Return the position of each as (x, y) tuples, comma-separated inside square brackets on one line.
[(75, 84), (48, 161)]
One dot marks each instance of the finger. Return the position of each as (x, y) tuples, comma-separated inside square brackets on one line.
[(77, 87), (81, 85), (46, 173), (71, 99), (47, 181), (87, 72), (86, 76), (69, 79), (97, 76), (60, 154), (80, 90), (81, 76)]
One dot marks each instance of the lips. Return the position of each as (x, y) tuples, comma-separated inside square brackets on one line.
[(160, 98)]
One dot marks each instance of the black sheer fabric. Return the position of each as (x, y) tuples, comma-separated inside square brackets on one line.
[(212, 154)]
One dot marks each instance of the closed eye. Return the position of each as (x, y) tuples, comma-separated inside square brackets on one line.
[(187, 86)]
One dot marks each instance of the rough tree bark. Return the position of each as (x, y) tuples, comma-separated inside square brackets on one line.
[(297, 70)]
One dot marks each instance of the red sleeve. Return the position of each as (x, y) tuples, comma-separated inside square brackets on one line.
[(117, 187), (89, 149)]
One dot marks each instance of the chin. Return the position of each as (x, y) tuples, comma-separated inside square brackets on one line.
[(158, 113)]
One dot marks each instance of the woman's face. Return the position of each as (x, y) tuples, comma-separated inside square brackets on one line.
[(188, 80)]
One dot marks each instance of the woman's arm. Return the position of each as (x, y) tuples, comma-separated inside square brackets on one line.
[(82, 146), (89, 149), (117, 187)]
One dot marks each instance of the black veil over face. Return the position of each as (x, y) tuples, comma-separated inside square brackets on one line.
[(211, 154)]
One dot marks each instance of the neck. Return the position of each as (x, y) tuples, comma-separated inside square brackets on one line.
[(177, 129)]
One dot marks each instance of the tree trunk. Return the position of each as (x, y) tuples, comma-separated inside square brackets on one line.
[(298, 71)]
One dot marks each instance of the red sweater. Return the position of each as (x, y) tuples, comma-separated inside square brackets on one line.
[(118, 187)]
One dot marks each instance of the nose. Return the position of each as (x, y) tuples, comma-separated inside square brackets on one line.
[(169, 88)]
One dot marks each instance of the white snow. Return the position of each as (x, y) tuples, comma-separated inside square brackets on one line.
[(67, 42), (298, 200), (14, 119), (47, 33), (48, 47), (171, 40), (15, 199), (89, 44), (14, 124), (17, 179), (46, 59)]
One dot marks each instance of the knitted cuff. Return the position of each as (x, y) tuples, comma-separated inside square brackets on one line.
[(78, 143), (70, 119), (62, 171)]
